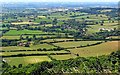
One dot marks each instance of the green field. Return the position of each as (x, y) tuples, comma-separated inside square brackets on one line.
[(106, 10), (23, 23), (39, 36), (15, 32), (47, 46), (30, 52), (52, 40), (10, 37), (97, 50), (93, 17), (75, 43), (96, 28), (16, 36), (42, 19), (26, 60), (113, 37), (63, 57)]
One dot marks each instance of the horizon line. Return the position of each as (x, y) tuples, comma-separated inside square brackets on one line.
[(62, 2)]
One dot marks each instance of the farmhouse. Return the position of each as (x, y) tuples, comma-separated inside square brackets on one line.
[(23, 44)]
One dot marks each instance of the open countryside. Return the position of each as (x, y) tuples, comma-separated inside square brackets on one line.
[(46, 39)]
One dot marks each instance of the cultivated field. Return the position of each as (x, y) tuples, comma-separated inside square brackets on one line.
[(97, 50)]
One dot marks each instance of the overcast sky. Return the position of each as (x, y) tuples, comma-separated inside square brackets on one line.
[(59, 0)]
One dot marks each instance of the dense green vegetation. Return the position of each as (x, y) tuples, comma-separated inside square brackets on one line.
[(94, 65)]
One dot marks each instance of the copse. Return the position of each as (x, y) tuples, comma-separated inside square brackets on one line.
[(54, 22)]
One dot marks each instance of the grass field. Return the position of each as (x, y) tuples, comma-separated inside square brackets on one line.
[(63, 57), (93, 17), (113, 37), (30, 52), (41, 17), (74, 43), (10, 37), (97, 50), (95, 28), (26, 60), (47, 46), (47, 25), (27, 48), (23, 23), (106, 10), (38, 36), (15, 32), (52, 40)]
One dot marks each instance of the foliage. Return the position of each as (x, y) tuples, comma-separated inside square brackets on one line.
[(99, 64)]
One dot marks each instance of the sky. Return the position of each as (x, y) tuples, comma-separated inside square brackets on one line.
[(59, 0)]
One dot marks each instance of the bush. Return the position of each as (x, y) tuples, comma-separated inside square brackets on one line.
[(20, 65), (27, 45)]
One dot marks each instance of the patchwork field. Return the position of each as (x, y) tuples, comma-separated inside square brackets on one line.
[(49, 33), (97, 50), (59, 37)]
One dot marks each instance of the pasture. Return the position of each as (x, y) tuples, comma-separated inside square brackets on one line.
[(75, 43), (63, 57), (23, 23), (20, 32), (26, 60), (32, 47), (10, 37), (97, 50), (41, 17), (52, 40), (96, 28), (30, 52)]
